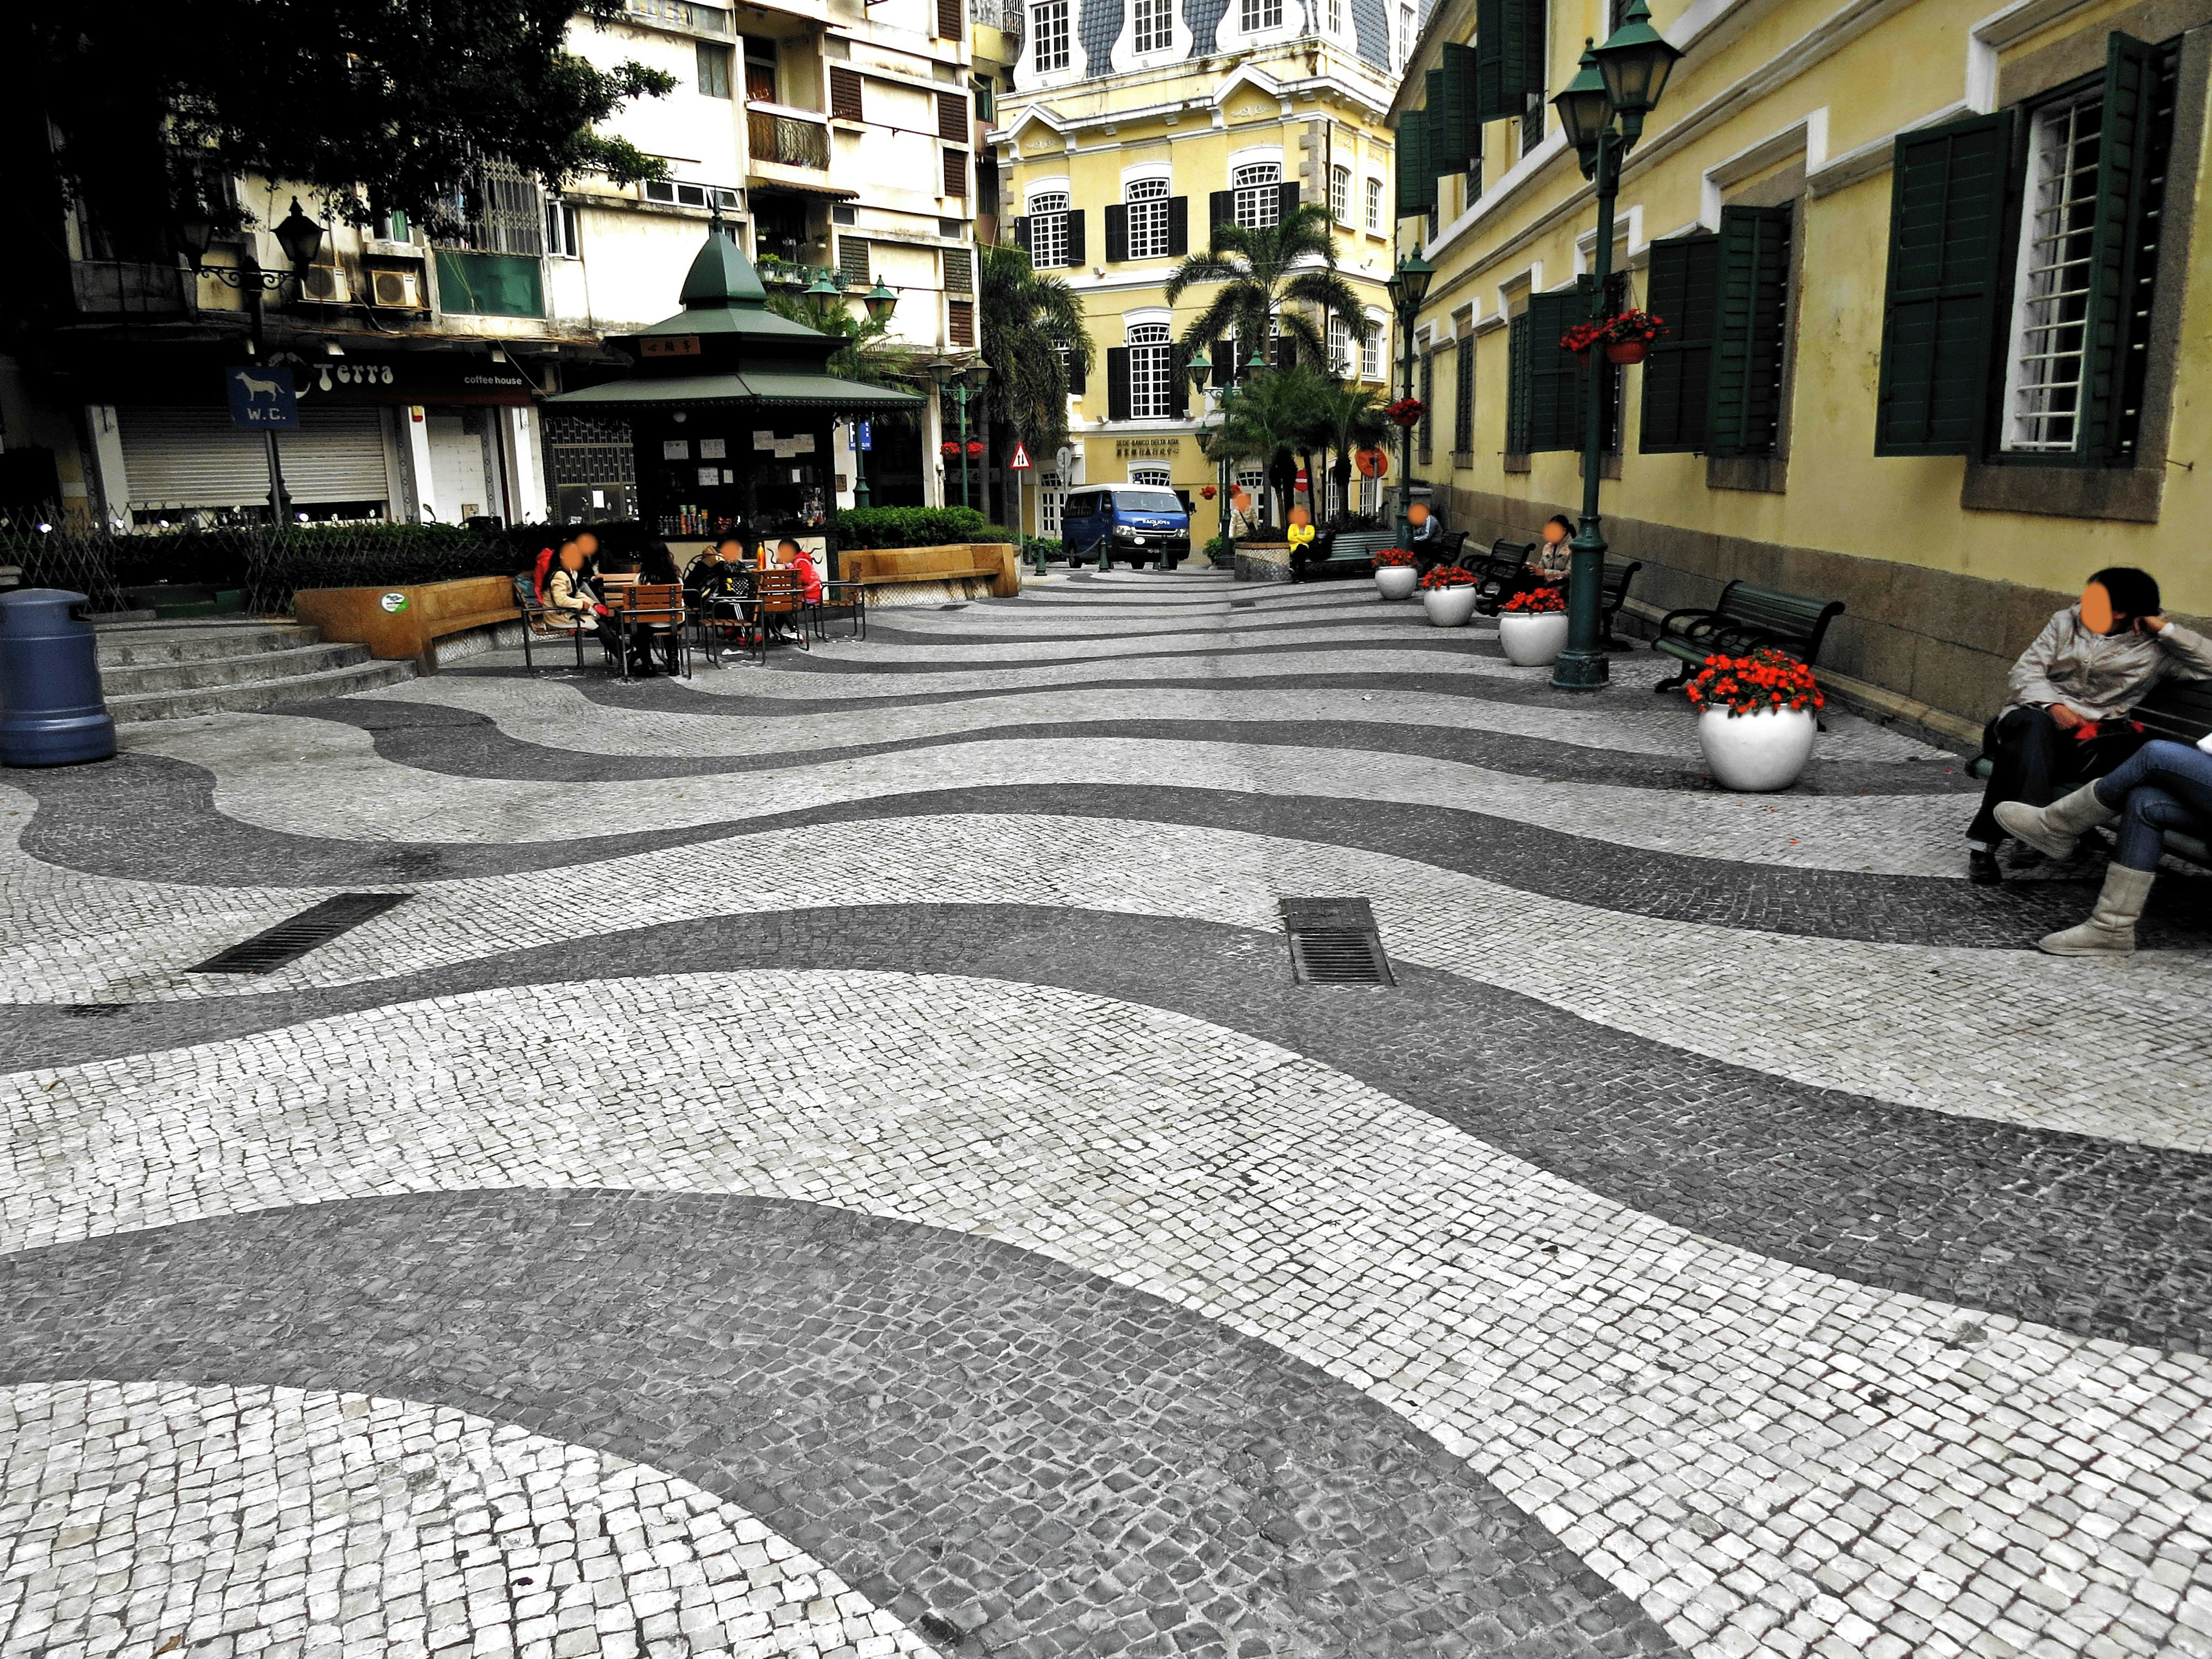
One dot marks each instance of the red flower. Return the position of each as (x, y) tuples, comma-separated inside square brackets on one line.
[(1390, 555), (974, 445), (1766, 679), (1547, 601), (949, 447), (1405, 412), (1450, 575), (1207, 494)]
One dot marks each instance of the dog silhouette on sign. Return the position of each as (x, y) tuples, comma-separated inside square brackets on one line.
[(253, 386)]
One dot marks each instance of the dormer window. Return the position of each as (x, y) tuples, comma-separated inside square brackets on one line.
[(1152, 26), (1049, 28)]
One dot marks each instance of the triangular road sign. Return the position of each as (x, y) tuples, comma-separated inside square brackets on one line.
[(1021, 461)]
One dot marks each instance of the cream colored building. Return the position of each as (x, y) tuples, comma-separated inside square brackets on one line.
[(1937, 351), (1132, 128)]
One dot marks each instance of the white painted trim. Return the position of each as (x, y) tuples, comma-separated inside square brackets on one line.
[(1144, 314), (1808, 136), (1138, 172), (1035, 187), (1874, 157), (1252, 155), (1628, 227)]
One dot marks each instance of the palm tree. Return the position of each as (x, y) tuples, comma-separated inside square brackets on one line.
[(1350, 417), (1033, 335), (1271, 415), (864, 352), (1264, 272)]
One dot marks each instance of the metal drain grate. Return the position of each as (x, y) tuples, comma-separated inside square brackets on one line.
[(1243, 605), (1334, 941), (290, 940)]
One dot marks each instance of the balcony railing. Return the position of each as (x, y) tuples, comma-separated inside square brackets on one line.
[(111, 287), (788, 141), (700, 20), (782, 273)]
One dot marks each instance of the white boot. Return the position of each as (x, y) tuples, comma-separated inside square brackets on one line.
[(2055, 829), (2110, 929)]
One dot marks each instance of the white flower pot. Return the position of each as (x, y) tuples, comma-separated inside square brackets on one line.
[(1449, 607), (1756, 753), (1532, 639), (1396, 581)]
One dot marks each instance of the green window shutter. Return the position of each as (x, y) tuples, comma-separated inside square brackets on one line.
[(1463, 396), (1745, 401), (1684, 282), (1946, 216), (1455, 135), (2124, 165), (1417, 182), (1557, 390), (1520, 388), (1509, 56)]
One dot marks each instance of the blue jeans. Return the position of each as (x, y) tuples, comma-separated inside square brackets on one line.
[(2166, 785)]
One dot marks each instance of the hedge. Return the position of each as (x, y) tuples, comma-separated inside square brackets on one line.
[(917, 526)]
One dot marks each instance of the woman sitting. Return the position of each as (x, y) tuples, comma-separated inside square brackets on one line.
[(2164, 786), (2071, 692), (719, 587), (1547, 565)]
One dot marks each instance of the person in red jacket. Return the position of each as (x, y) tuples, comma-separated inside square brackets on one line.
[(791, 556)]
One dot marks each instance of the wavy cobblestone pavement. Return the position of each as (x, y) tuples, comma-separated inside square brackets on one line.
[(828, 1159)]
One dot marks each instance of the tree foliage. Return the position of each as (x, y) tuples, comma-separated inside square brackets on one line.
[(1282, 274), (866, 352), (1032, 332), (372, 105)]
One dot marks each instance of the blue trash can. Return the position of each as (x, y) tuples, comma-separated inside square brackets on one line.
[(51, 712)]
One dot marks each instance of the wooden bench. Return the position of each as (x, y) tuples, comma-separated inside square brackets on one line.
[(882, 566), (1495, 570), (1346, 553), (407, 622), (1748, 618)]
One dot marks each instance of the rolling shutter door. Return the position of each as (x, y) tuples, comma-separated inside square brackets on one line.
[(189, 458)]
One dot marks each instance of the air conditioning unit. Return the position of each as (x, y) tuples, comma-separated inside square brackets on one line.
[(395, 291), (326, 285)]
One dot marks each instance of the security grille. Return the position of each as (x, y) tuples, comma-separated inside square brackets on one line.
[(2050, 305), (505, 210)]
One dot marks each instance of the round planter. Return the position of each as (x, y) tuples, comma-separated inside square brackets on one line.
[(1396, 581), (1626, 351), (1534, 638), (1756, 753), (1450, 607)]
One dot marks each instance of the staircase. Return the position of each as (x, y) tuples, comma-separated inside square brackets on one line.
[(166, 671)]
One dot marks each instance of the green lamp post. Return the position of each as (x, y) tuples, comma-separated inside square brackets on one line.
[(881, 301), (1409, 286), (1602, 111)]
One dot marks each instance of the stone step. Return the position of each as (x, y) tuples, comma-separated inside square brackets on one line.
[(132, 644), (255, 695), (288, 662)]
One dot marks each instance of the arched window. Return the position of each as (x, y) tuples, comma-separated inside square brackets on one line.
[(1257, 194), (1370, 351), (1154, 478), (1150, 369), (1049, 229), (1148, 202), (1375, 206)]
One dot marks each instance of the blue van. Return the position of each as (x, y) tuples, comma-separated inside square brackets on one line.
[(1143, 524)]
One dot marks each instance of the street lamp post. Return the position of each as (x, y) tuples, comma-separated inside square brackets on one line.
[(1409, 286), (1602, 110), (881, 301), (301, 239), (1200, 371), (975, 377)]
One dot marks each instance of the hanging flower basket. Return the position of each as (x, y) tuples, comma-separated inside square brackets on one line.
[(1207, 494), (948, 448), (1406, 411), (974, 445), (1627, 335)]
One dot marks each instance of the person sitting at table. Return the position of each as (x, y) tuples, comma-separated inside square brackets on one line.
[(719, 587), (790, 555), (571, 594), (656, 568)]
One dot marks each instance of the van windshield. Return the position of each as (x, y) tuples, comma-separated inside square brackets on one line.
[(1147, 500)]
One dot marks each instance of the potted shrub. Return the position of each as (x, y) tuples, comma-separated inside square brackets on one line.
[(1756, 716), (1627, 335), (1532, 626), (1448, 595), (1395, 573)]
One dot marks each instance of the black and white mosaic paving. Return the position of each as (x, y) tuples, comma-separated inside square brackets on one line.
[(829, 1161)]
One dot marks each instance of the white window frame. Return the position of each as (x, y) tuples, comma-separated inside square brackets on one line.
[(1405, 33), (1048, 217), (1152, 478), (1371, 350), (1256, 194), (1152, 371), (2046, 352), (1051, 36), (1145, 204), (1375, 206), (1152, 24), (563, 239), (1052, 494), (1334, 21), (1252, 16), (1340, 194), (1340, 347)]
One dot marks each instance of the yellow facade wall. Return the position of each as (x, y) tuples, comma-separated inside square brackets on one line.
[(1756, 73)]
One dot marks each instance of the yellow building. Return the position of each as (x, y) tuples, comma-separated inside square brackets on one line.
[(1927, 270), (1130, 130)]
